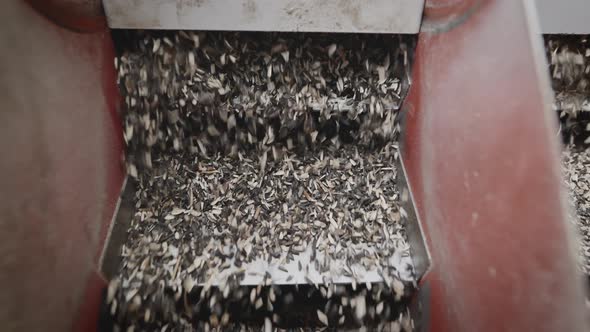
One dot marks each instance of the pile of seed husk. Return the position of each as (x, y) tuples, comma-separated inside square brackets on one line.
[(205, 226), (576, 168), (209, 92), (569, 67), (266, 182)]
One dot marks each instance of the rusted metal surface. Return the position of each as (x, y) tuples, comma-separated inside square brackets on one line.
[(380, 16), (483, 167), (60, 168)]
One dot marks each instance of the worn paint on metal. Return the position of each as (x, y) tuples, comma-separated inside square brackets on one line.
[(60, 168), (482, 160)]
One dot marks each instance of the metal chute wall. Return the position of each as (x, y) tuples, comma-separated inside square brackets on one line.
[(482, 163), (61, 172)]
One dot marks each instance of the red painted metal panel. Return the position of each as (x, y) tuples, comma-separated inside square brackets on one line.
[(60, 169), (77, 15), (483, 166)]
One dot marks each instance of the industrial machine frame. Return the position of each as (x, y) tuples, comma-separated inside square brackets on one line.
[(478, 152)]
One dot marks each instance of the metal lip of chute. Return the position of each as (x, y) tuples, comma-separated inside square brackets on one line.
[(357, 16)]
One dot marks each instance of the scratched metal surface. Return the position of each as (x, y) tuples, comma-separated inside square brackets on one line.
[(374, 16)]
